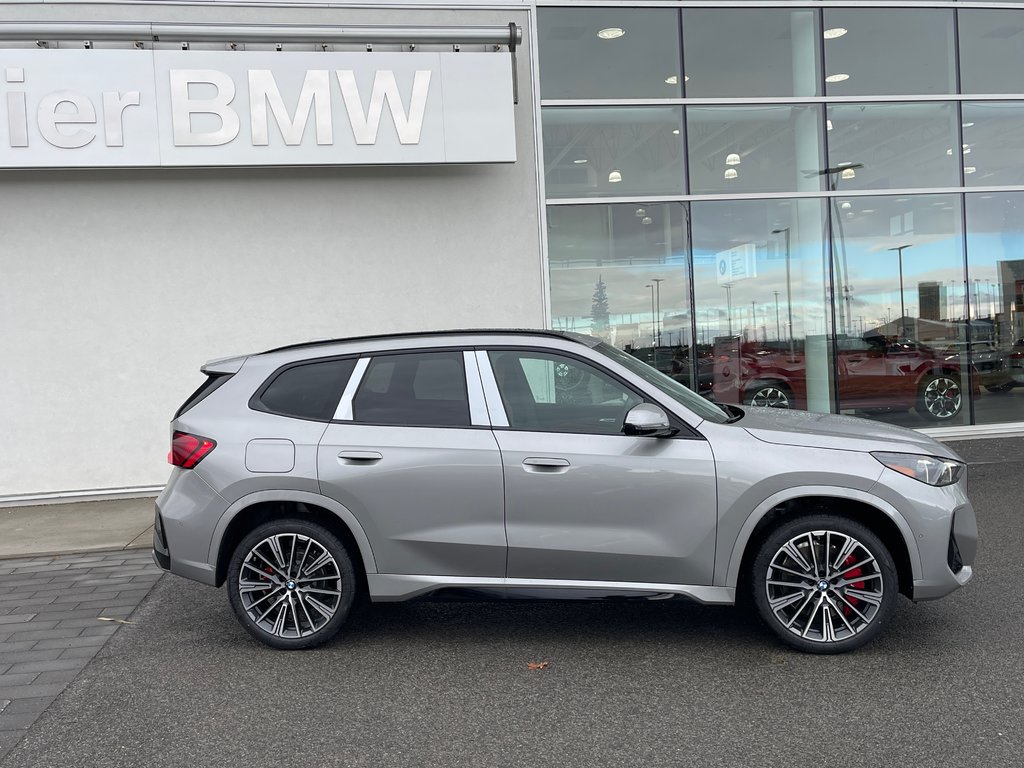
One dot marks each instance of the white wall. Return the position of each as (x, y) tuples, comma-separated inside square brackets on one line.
[(115, 286)]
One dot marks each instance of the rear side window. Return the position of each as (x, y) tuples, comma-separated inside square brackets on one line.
[(423, 389), (307, 391), (207, 388)]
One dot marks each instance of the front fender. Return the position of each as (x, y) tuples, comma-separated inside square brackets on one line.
[(732, 570), (303, 497)]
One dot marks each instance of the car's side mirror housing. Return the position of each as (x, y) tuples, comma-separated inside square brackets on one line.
[(647, 420)]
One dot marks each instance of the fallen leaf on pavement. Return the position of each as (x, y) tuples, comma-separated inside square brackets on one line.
[(536, 665)]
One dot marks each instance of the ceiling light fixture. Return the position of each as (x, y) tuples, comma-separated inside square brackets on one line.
[(646, 220), (834, 32), (828, 124), (968, 125), (969, 169), (731, 173), (675, 131), (837, 78), (848, 173), (614, 177), (846, 205), (580, 161), (673, 80), (640, 213), (610, 33), (732, 159)]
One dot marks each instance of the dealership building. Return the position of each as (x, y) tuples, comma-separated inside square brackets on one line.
[(817, 205)]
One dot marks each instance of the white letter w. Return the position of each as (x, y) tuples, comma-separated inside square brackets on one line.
[(364, 126)]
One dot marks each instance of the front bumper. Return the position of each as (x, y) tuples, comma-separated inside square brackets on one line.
[(948, 564)]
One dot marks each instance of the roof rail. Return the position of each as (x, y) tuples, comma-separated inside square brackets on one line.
[(578, 338)]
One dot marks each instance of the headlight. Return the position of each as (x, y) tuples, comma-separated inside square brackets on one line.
[(928, 469)]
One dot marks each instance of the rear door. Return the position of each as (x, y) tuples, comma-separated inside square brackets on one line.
[(411, 454)]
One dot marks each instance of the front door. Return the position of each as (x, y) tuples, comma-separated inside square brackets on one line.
[(583, 501)]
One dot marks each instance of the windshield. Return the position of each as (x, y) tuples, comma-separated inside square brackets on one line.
[(687, 397)]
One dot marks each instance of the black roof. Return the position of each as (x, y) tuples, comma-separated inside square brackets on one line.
[(579, 338)]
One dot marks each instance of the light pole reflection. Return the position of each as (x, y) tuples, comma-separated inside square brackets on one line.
[(789, 288)]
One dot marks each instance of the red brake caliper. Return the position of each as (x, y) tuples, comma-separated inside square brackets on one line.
[(856, 585)]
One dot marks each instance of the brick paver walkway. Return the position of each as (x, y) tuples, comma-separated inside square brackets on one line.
[(52, 612)]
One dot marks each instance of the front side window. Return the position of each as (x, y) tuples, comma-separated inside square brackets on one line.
[(420, 389), (546, 392)]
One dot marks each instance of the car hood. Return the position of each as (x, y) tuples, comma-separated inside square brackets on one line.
[(847, 433)]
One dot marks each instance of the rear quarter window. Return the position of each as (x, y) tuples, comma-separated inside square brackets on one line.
[(306, 390)]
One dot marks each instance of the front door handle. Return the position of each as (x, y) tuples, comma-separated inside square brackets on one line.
[(545, 464), (360, 457)]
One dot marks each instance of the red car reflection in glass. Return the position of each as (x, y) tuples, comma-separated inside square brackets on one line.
[(874, 373)]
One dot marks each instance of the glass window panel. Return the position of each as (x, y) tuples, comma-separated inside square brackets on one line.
[(995, 245), (598, 151), (993, 143), (882, 51), (546, 392), (892, 146), (750, 52), (619, 272), (762, 316), (900, 315), (427, 389), (754, 149), (991, 51), (609, 53), (308, 391)]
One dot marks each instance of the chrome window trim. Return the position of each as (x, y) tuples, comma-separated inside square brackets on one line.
[(495, 407), (478, 415), (344, 409)]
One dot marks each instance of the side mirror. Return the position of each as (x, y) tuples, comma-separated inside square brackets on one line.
[(647, 420)]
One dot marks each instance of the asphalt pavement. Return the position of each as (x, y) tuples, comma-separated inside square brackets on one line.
[(645, 684)]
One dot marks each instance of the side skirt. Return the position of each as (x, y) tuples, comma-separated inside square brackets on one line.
[(393, 587)]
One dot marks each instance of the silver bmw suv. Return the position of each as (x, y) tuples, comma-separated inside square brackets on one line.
[(539, 464)]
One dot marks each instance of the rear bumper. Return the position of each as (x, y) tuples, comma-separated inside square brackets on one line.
[(187, 512)]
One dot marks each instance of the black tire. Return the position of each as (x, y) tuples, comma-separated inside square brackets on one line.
[(998, 389), (292, 622), (940, 397), (847, 605), (769, 394)]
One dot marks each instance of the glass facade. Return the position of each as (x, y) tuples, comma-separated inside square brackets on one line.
[(803, 206)]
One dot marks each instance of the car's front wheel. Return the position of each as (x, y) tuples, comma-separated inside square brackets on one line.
[(770, 394), (940, 397), (291, 583), (824, 584)]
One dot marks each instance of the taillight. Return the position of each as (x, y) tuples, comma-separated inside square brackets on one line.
[(188, 450)]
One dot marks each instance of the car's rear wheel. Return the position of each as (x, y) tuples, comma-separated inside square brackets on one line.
[(824, 584), (291, 583), (998, 389), (940, 397), (769, 394)]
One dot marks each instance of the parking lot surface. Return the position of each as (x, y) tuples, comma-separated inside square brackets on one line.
[(651, 684)]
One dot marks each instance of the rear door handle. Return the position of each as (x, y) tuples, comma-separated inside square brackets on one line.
[(545, 464), (360, 457)]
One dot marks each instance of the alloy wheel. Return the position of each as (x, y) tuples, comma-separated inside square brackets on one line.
[(290, 585), (824, 586), (942, 397), (770, 397)]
